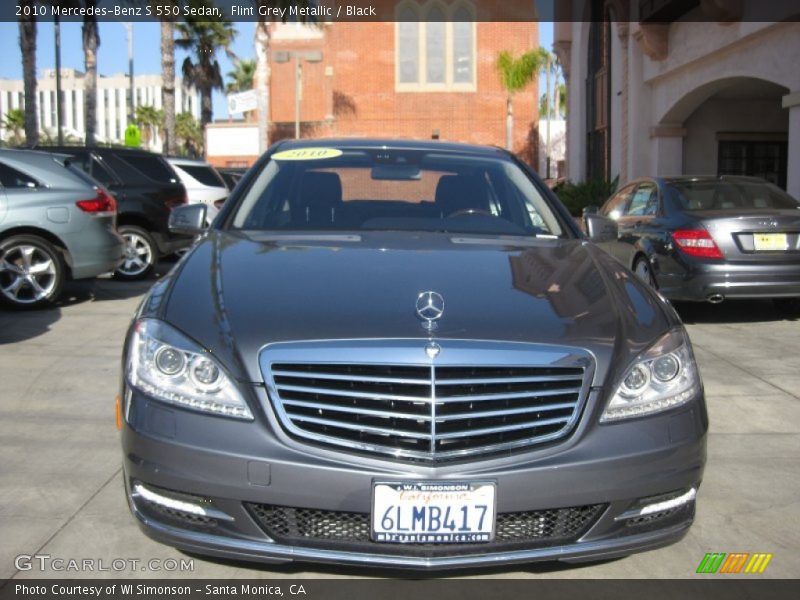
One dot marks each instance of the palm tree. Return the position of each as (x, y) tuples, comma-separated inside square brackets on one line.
[(188, 132), (241, 78), (27, 45), (149, 118), (204, 39), (168, 85), (91, 41), (262, 74), (559, 104), (515, 75), (262, 79), (14, 122)]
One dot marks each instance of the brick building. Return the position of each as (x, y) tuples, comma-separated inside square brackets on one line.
[(407, 79)]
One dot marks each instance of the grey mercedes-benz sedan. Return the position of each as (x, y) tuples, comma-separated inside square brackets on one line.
[(406, 354)]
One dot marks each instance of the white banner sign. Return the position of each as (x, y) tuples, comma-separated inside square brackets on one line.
[(242, 102)]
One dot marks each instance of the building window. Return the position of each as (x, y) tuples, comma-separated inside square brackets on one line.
[(435, 46), (765, 159), (598, 99)]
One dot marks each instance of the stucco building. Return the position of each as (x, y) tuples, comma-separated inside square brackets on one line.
[(677, 87), (112, 107)]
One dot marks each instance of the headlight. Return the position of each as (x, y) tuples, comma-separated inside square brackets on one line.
[(663, 377), (165, 364)]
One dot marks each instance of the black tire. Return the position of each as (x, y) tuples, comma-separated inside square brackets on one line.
[(643, 270), (141, 254), (787, 306), (32, 272)]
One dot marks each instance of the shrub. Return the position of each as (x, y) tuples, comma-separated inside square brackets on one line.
[(577, 196)]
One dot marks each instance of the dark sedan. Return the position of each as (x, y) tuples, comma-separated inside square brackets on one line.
[(406, 354), (709, 238)]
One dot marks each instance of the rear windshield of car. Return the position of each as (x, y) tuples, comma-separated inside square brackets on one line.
[(152, 166), (373, 189), (729, 195), (205, 175)]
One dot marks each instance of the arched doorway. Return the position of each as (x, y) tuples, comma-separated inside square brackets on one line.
[(734, 126)]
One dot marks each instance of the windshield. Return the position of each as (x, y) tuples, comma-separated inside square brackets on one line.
[(374, 189), (729, 195)]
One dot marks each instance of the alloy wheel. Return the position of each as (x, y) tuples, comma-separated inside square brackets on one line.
[(27, 274), (138, 254)]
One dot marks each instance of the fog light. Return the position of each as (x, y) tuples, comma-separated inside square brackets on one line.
[(661, 506), (176, 504)]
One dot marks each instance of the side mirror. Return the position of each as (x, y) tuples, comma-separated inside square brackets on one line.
[(189, 219), (600, 228)]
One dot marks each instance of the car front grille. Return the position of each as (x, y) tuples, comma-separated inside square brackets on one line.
[(429, 412), (351, 531)]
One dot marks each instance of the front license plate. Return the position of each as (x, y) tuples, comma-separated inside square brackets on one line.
[(431, 512), (770, 241)]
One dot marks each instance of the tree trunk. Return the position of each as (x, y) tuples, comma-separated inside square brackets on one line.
[(206, 114), (168, 86), (91, 40), (509, 124), (27, 44), (262, 77)]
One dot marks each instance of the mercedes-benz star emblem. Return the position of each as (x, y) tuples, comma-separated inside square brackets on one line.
[(432, 350), (430, 307)]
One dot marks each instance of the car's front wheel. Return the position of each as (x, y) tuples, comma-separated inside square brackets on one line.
[(141, 253), (32, 272)]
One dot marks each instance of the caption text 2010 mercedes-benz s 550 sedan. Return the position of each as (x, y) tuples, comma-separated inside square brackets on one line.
[(406, 354)]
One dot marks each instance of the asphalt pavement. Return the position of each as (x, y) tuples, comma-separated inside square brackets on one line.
[(61, 492)]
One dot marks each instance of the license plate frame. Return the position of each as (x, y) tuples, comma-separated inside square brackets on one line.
[(770, 242), (393, 503)]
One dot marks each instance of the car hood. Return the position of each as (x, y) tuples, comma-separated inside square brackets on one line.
[(235, 293)]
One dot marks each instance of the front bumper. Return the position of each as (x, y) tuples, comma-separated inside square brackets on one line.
[(232, 463), (700, 280)]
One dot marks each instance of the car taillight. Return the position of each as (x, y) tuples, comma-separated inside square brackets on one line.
[(696, 242), (176, 201), (102, 203)]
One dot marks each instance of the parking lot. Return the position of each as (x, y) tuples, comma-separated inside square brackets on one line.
[(61, 490)]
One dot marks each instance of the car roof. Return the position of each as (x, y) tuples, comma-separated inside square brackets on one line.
[(393, 144), (115, 149), (43, 166), (693, 178)]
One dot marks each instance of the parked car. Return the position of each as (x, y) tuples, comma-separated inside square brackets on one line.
[(146, 189), (202, 182), (232, 175), (55, 224), (708, 238), (406, 354)]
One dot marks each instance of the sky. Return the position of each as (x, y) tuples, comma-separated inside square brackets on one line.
[(112, 56)]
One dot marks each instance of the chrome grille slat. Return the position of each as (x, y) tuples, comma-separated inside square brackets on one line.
[(352, 393), (485, 430), (356, 427), (499, 413), (483, 380), (510, 395), (385, 397), (353, 410), (337, 377)]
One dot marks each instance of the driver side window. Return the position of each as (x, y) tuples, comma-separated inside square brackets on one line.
[(615, 207)]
